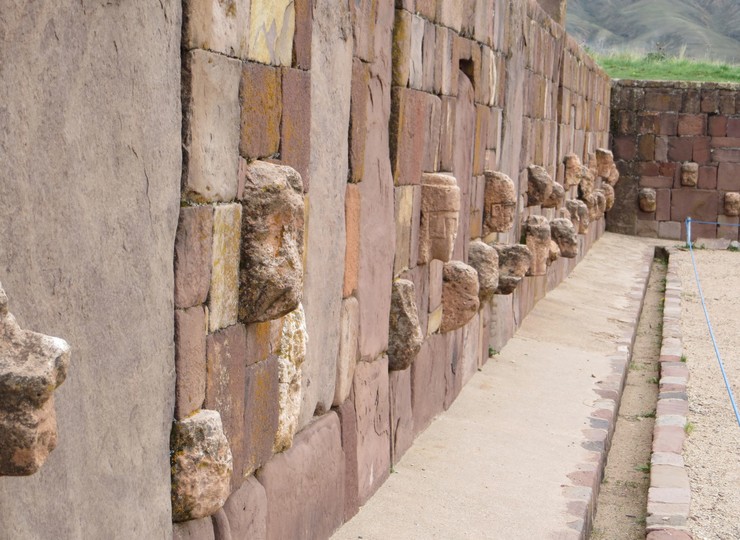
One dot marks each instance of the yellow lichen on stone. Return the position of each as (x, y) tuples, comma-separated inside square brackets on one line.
[(271, 30), (223, 304)]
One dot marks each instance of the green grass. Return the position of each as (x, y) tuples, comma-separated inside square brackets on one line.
[(657, 67)]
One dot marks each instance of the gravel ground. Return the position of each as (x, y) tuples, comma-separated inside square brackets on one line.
[(712, 450)]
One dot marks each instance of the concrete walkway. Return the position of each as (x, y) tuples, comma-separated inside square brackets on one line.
[(520, 454)]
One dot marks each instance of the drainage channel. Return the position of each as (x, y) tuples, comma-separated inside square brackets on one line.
[(622, 501)]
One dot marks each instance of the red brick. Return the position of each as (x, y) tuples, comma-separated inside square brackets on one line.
[(190, 360), (667, 123), (692, 124), (260, 96), (728, 177), (733, 127), (303, 34), (707, 177), (625, 147), (717, 126), (193, 255), (663, 211), (295, 142), (695, 203), (701, 153), (680, 149)]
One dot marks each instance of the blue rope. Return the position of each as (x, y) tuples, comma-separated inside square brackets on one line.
[(689, 221)]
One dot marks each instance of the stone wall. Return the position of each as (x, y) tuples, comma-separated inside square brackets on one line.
[(356, 184), (677, 146)]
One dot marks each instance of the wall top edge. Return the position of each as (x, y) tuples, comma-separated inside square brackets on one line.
[(684, 85)]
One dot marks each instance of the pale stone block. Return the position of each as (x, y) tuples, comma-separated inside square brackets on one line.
[(348, 349), (416, 70), (223, 298), (216, 25), (211, 134), (435, 321), (404, 215), (271, 30)]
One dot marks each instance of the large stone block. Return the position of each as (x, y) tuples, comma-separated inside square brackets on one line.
[(271, 271), (191, 328), (699, 204), (404, 211), (32, 366), (260, 96), (305, 485), (292, 353), (484, 259), (409, 129), (195, 529), (271, 30), (302, 39), (460, 300), (539, 185), (402, 418), (514, 262), (405, 335), (565, 236), (295, 128), (499, 206), (537, 233), (450, 14), (216, 25), (201, 466), (223, 297), (348, 349), (402, 31), (428, 386), (246, 510), (226, 353), (193, 245), (358, 115), (210, 126), (261, 415), (348, 423), (440, 211), (372, 409)]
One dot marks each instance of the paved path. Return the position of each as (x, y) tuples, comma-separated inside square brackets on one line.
[(520, 453)]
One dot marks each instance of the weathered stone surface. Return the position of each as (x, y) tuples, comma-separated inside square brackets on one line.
[(246, 510), (261, 416), (271, 29), (613, 177), (348, 349), (513, 264), (537, 234), (573, 170), (193, 245), (402, 418), (460, 300), (732, 203), (271, 271), (405, 335), (556, 198), (428, 386), (440, 212), (358, 114), (499, 206), (404, 212), (191, 328), (295, 122), (32, 366), (223, 298), (600, 201), (352, 207), (554, 252), (201, 466), (604, 162), (216, 25), (372, 409), (588, 182), (609, 195), (484, 259), (313, 506), (648, 200), (302, 39), (579, 215), (539, 185), (260, 97), (211, 126), (195, 529), (689, 174), (291, 355), (592, 203), (565, 236)]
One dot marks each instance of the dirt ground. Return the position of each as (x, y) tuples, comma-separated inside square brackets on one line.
[(622, 503), (712, 450)]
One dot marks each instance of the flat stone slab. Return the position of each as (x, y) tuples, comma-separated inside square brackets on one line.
[(497, 463)]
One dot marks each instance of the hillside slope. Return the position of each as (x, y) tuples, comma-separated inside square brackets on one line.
[(707, 28)]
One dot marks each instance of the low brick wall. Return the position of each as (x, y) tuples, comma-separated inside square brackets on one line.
[(657, 129)]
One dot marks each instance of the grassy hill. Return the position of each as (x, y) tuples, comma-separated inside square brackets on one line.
[(702, 29)]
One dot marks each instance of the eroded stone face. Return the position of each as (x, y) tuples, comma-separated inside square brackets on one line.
[(554, 253), (564, 234), (499, 203), (484, 259), (460, 300), (587, 183), (513, 264), (608, 192), (32, 366), (440, 212), (537, 234), (539, 186), (689, 174), (271, 270), (556, 198), (604, 162), (592, 203), (291, 355), (573, 170), (579, 215), (732, 204), (405, 335), (613, 176), (600, 201), (201, 466), (648, 200)]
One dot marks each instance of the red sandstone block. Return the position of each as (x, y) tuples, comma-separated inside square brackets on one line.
[(692, 124), (663, 211), (260, 96), (261, 414), (305, 484), (717, 126), (668, 534), (649, 168), (725, 142), (303, 32), (701, 152), (668, 169), (727, 230), (656, 181), (402, 419), (699, 230), (358, 118), (428, 388), (668, 123), (190, 360), (668, 439), (733, 127), (646, 147), (707, 177), (195, 529), (692, 101), (364, 13), (193, 255), (661, 148), (699, 204), (663, 100), (408, 133), (709, 100), (348, 423), (680, 148), (246, 510), (727, 101), (648, 122), (728, 177), (730, 155), (295, 143)]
